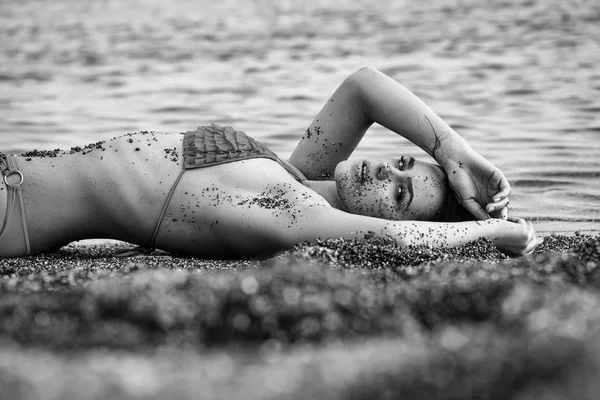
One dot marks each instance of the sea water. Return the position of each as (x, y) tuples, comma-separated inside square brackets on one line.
[(519, 79)]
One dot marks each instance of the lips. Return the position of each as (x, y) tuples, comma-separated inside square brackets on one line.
[(364, 171)]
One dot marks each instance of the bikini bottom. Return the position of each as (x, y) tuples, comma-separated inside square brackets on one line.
[(14, 238)]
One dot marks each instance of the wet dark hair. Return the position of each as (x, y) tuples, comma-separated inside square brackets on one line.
[(452, 211)]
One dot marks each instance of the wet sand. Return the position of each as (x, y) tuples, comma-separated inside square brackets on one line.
[(330, 319)]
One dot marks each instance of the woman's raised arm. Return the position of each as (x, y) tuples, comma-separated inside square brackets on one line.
[(369, 96)]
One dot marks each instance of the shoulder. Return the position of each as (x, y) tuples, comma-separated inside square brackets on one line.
[(146, 137)]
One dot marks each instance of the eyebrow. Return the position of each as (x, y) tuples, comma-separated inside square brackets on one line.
[(411, 193)]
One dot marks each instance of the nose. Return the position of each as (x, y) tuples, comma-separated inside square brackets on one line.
[(383, 171)]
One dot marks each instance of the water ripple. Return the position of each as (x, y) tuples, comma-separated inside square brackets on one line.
[(518, 79)]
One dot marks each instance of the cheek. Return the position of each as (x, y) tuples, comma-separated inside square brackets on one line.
[(431, 195), (376, 200), (346, 185), (349, 191), (436, 191), (367, 199)]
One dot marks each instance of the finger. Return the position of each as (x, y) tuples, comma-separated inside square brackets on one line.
[(533, 244), (501, 203), (531, 230), (504, 213), (497, 205), (504, 191), (475, 209), (498, 180), (500, 213), (515, 219)]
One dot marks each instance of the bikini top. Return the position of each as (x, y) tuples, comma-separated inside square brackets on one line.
[(214, 145)]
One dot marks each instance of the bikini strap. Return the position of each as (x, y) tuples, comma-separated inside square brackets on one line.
[(8, 164), (141, 250), (164, 208), (292, 170)]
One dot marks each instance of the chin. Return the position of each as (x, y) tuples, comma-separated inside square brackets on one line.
[(343, 172), (341, 167)]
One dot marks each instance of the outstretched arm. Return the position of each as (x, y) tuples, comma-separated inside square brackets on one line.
[(514, 237), (369, 96)]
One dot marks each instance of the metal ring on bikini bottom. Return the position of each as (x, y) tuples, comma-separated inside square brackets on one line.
[(14, 172)]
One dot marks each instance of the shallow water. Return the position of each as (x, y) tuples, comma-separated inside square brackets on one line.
[(518, 79)]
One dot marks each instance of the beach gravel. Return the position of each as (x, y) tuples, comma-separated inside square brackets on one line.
[(329, 319)]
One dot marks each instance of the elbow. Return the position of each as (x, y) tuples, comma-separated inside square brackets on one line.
[(358, 87), (367, 70), (363, 74)]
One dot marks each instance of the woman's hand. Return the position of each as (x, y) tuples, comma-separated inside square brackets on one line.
[(478, 184), (516, 237)]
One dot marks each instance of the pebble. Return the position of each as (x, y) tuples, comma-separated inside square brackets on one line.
[(319, 291)]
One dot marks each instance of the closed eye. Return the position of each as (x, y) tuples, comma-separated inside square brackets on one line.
[(399, 193)]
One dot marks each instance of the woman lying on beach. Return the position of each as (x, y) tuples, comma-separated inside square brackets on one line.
[(217, 193)]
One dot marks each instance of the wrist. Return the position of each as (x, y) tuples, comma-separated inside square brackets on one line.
[(496, 229), (489, 229), (451, 149)]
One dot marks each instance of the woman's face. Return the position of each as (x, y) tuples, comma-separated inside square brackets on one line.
[(392, 188)]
